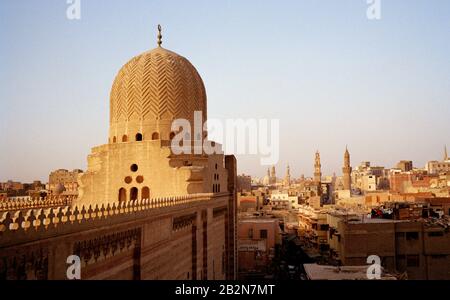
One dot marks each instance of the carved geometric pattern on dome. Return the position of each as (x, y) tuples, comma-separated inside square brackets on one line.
[(157, 84)]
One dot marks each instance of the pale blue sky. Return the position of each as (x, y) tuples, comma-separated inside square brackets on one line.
[(329, 74)]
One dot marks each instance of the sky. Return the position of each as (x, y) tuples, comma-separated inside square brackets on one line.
[(328, 73)]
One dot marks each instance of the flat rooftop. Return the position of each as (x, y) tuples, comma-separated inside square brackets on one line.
[(375, 221), (321, 272), (258, 220)]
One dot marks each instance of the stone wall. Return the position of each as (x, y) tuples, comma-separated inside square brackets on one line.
[(149, 239)]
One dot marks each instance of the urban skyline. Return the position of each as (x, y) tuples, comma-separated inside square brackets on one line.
[(323, 58)]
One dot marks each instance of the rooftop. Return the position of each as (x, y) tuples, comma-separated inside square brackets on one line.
[(375, 221), (258, 220), (322, 272)]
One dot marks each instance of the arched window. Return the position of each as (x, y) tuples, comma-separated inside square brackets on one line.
[(155, 136), (114, 140), (145, 193), (133, 194), (139, 137), (124, 138), (218, 188), (122, 195)]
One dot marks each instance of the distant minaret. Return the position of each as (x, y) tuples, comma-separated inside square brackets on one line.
[(445, 153), (266, 179), (346, 171), (287, 178), (273, 176), (317, 170)]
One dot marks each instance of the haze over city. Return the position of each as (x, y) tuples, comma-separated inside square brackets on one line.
[(332, 77)]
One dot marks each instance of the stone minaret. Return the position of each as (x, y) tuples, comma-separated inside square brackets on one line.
[(273, 176), (445, 153), (287, 178), (317, 170), (346, 171)]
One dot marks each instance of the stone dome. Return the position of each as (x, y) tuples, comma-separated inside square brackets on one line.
[(152, 90)]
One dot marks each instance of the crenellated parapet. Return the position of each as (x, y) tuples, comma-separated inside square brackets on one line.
[(25, 225), (22, 203)]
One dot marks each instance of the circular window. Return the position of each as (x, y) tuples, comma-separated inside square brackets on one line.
[(140, 179), (134, 167), (128, 179)]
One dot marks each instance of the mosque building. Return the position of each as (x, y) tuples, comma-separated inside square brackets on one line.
[(144, 211), (149, 92)]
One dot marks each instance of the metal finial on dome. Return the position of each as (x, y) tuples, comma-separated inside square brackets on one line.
[(159, 35)]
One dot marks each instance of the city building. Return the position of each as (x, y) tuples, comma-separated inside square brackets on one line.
[(367, 178), (369, 183), (313, 227), (282, 200), (251, 201), (13, 189), (405, 165), (439, 167), (404, 241), (257, 240), (244, 183), (64, 182)]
